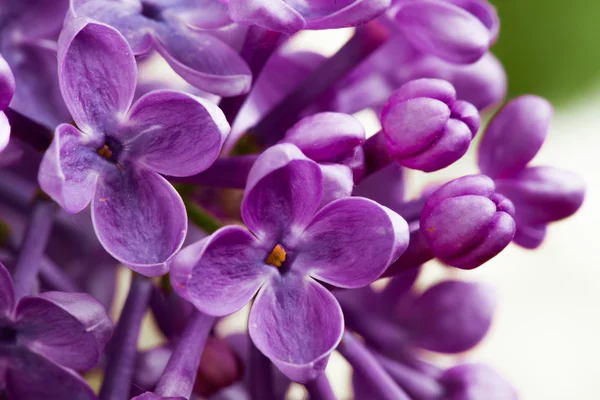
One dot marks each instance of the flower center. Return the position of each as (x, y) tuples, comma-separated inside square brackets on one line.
[(277, 256), (111, 150), (151, 11)]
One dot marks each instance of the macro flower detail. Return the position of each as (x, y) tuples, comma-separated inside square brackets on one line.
[(115, 157), (540, 194), (182, 32), (291, 16), (44, 338), (7, 90), (289, 247)]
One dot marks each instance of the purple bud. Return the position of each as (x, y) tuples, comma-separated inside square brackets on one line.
[(466, 223), (514, 136), (458, 31), (475, 382), (425, 127)]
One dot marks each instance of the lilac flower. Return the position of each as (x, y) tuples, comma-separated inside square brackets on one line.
[(540, 194), (116, 158), (7, 90), (44, 338), (291, 16), (180, 30), (294, 320)]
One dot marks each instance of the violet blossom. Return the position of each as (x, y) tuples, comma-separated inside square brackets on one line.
[(7, 90)]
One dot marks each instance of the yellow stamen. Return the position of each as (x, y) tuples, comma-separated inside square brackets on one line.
[(277, 256), (105, 152)]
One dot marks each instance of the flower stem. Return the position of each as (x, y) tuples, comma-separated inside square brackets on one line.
[(258, 47), (226, 172), (180, 373), (272, 127), (261, 375), (376, 154), (364, 363), (197, 215), (320, 389), (123, 345), (28, 131), (417, 384), (417, 253), (31, 251)]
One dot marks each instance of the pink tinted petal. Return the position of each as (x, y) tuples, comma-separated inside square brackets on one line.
[(326, 136), (204, 61), (283, 191), (350, 242), (70, 168), (220, 274), (71, 329), (97, 74), (7, 293), (34, 377), (297, 323), (274, 15), (327, 14), (7, 84), (139, 219), (176, 134)]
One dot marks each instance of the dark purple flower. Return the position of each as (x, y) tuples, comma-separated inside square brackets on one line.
[(291, 16), (180, 30), (425, 127), (44, 338), (116, 158), (7, 90), (294, 321), (540, 194)]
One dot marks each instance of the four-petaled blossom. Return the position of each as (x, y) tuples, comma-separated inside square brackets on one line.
[(289, 247), (291, 16), (44, 338), (115, 157), (540, 194), (7, 90), (180, 30)]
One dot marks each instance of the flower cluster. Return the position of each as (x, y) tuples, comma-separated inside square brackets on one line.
[(281, 200)]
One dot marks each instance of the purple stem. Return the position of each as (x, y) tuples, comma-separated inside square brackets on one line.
[(417, 253), (55, 278), (226, 172), (260, 375), (364, 363), (320, 389), (180, 373), (411, 210), (31, 251), (260, 43), (376, 154), (419, 385), (123, 344), (27, 130), (272, 127)]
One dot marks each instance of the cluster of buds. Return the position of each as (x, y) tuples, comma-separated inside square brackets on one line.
[(252, 184)]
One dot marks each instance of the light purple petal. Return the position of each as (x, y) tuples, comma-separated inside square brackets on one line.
[(204, 61), (71, 329), (220, 274), (198, 14), (7, 293), (326, 136), (283, 191), (476, 381), (327, 14), (70, 168), (350, 242), (4, 132), (275, 15), (97, 74), (514, 136), (297, 323), (337, 182), (174, 133), (34, 377), (139, 219), (7, 84)]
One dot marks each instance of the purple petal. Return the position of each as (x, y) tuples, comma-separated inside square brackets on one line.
[(204, 61), (4, 132), (283, 191), (198, 14), (7, 293), (514, 136), (7, 84), (176, 134), (326, 14), (71, 329), (34, 377), (70, 168), (483, 10), (139, 219), (529, 236), (350, 242), (40, 19), (221, 274), (337, 182), (444, 30), (386, 186), (275, 15), (97, 74), (297, 323), (476, 381), (152, 396), (452, 316), (326, 136)]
